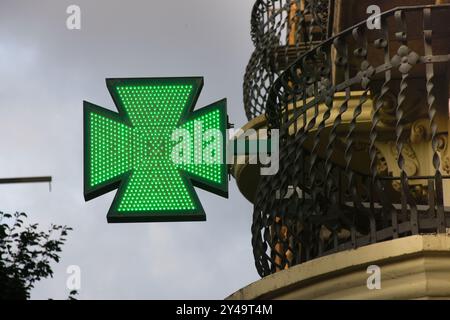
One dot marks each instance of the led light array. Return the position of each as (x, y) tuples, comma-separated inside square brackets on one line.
[(138, 149), (210, 171)]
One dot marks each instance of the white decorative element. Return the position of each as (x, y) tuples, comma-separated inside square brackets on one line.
[(73, 21), (374, 280), (74, 280), (374, 21)]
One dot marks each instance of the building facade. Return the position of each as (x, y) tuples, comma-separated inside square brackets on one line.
[(361, 102)]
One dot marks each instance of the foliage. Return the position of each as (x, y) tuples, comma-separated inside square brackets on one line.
[(26, 254)]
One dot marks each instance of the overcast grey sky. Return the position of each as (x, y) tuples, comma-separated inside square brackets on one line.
[(48, 70)]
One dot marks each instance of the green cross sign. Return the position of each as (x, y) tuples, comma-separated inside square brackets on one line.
[(133, 150)]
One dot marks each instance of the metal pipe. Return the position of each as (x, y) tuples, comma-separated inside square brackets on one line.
[(26, 180)]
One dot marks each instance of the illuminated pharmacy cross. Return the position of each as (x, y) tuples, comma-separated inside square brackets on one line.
[(132, 150)]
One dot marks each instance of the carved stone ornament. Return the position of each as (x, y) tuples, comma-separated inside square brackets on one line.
[(412, 164), (420, 131)]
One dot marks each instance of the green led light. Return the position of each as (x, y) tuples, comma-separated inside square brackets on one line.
[(132, 150)]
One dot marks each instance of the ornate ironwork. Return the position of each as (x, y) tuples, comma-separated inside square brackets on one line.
[(281, 31), (354, 112)]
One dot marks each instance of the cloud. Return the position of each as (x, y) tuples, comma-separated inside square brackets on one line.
[(48, 71)]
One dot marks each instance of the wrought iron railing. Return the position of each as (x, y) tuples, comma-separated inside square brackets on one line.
[(364, 155), (281, 31)]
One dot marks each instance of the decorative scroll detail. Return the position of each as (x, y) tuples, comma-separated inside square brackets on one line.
[(420, 131), (446, 165), (411, 164), (442, 149), (381, 164)]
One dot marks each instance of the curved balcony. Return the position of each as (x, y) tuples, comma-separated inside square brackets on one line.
[(364, 154), (281, 31)]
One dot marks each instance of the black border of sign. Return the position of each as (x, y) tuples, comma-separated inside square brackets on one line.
[(119, 182)]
